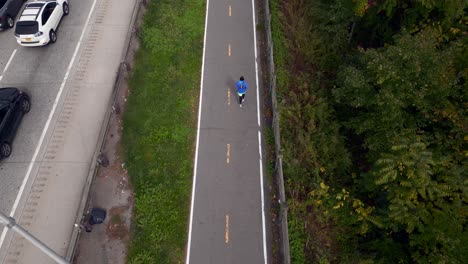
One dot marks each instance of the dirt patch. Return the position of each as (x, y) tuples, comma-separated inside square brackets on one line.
[(107, 242), (116, 227)]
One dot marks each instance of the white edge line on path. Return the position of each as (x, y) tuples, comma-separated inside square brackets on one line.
[(46, 127), (8, 64), (263, 197), (187, 261), (265, 257), (256, 65)]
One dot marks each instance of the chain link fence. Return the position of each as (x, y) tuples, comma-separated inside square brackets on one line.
[(282, 219)]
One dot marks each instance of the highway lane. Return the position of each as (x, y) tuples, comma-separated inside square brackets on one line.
[(62, 163), (39, 71)]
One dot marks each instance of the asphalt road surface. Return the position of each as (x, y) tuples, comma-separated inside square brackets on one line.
[(228, 213), (70, 83), (39, 71)]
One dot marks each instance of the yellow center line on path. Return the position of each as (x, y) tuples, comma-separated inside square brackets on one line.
[(229, 50), (230, 10), (228, 153), (226, 237)]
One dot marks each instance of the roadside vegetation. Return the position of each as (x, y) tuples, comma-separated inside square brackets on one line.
[(373, 103), (160, 127)]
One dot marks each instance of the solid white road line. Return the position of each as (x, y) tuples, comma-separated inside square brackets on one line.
[(256, 65), (6, 68), (187, 261), (260, 161), (46, 127), (265, 256)]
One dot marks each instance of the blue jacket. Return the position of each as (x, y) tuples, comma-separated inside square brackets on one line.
[(241, 87)]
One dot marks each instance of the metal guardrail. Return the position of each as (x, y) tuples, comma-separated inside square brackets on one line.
[(12, 225), (278, 172)]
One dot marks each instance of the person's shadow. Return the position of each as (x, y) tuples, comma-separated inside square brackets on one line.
[(231, 83)]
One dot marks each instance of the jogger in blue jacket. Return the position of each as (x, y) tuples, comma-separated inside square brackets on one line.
[(241, 86)]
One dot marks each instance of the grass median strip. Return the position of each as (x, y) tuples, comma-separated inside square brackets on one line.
[(160, 127)]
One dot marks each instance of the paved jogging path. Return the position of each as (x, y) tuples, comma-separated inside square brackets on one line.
[(228, 221)]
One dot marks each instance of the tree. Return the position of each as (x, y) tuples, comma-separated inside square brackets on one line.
[(379, 21), (397, 91), (407, 102), (426, 206)]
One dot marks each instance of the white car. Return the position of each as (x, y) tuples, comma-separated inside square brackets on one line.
[(38, 22)]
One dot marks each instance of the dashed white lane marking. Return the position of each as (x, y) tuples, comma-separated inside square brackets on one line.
[(194, 184), (229, 96), (6, 68), (46, 127), (229, 50), (230, 10)]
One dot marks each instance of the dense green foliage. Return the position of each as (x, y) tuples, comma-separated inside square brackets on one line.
[(159, 128), (374, 128)]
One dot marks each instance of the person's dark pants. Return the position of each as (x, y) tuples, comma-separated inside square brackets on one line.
[(241, 98)]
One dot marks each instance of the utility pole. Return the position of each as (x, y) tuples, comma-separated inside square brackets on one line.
[(11, 224)]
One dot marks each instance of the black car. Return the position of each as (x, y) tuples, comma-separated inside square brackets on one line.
[(13, 105), (8, 11)]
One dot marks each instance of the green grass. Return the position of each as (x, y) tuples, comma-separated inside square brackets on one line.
[(160, 126)]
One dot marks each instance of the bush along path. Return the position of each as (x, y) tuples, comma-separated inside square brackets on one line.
[(373, 106)]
